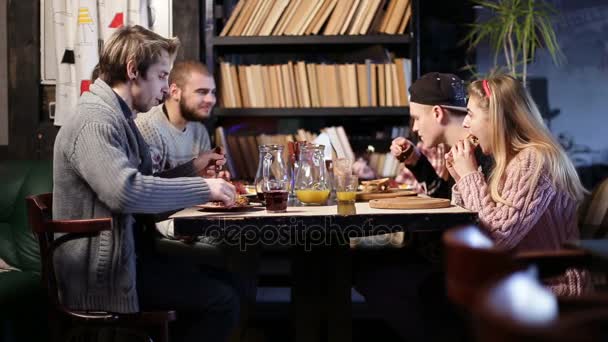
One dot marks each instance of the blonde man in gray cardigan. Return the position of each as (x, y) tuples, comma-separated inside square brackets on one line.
[(102, 168)]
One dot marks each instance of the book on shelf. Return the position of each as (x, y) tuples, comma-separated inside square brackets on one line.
[(319, 20), (242, 156), (384, 164), (315, 17), (220, 140), (309, 85)]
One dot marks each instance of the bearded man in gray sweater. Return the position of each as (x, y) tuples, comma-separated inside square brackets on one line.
[(102, 168)]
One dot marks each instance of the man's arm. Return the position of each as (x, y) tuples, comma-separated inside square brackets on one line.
[(99, 157), (424, 172), (185, 170)]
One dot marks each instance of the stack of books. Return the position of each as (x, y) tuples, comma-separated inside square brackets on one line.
[(309, 85), (313, 17)]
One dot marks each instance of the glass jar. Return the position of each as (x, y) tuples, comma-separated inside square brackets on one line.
[(311, 184), (272, 175)]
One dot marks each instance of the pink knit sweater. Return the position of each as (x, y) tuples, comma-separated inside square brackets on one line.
[(542, 216)]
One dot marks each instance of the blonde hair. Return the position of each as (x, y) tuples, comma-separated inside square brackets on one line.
[(135, 43), (516, 124), (181, 72)]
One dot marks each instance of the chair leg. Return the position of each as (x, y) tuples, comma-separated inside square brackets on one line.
[(164, 332)]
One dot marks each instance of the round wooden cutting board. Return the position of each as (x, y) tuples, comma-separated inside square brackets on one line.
[(410, 203), (366, 196)]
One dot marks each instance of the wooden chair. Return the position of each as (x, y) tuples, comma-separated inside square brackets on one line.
[(472, 261), (151, 324), (518, 308)]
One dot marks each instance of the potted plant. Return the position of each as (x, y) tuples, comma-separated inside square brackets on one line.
[(515, 29)]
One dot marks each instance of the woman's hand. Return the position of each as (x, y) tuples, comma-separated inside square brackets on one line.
[(463, 159)]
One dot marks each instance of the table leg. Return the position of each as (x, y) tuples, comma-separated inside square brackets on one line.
[(321, 294), (338, 300), (306, 296)]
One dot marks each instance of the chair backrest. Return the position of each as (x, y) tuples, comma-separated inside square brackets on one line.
[(40, 212), (40, 208), (518, 307), (594, 224), (472, 261)]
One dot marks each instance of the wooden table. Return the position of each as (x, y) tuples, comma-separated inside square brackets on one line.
[(319, 237)]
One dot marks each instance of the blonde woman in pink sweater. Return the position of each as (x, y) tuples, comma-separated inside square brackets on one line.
[(530, 199)]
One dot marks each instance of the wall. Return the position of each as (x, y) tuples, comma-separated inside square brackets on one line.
[(3, 77), (579, 87), (23, 39), (32, 134)]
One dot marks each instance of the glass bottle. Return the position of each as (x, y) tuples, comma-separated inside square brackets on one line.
[(311, 184)]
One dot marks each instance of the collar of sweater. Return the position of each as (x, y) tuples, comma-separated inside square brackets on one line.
[(102, 90)]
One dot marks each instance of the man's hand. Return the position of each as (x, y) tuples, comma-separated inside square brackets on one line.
[(217, 171), (405, 151), (220, 190), (441, 167), (207, 162)]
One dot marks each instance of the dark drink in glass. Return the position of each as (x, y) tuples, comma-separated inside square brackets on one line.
[(261, 197), (276, 201)]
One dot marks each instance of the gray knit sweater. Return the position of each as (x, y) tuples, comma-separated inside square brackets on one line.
[(95, 175)]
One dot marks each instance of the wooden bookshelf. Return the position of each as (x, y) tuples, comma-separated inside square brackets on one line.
[(247, 42), (250, 50)]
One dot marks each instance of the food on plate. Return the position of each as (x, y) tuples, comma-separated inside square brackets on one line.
[(240, 187), (240, 202), (376, 185)]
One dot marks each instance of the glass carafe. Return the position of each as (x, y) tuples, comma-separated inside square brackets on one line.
[(271, 168), (294, 156), (311, 184)]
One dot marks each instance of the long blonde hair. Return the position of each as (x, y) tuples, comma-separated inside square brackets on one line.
[(516, 124)]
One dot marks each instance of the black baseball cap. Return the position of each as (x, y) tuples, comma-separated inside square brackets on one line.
[(437, 89)]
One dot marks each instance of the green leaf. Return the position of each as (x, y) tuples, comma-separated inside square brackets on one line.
[(516, 28)]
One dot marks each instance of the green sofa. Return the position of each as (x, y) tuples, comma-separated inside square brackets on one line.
[(22, 298)]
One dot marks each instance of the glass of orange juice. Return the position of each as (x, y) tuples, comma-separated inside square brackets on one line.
[(346, 188)]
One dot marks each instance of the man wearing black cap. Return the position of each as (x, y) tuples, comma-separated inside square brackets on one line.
[(402, 286), (437, 109)]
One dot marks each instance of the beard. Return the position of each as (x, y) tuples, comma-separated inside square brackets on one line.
[(190, 113)]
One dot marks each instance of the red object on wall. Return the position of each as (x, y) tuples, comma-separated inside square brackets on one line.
[(118, 21)]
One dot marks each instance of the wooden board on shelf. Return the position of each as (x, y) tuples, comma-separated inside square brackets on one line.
[(410, 203), (401, 112)]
